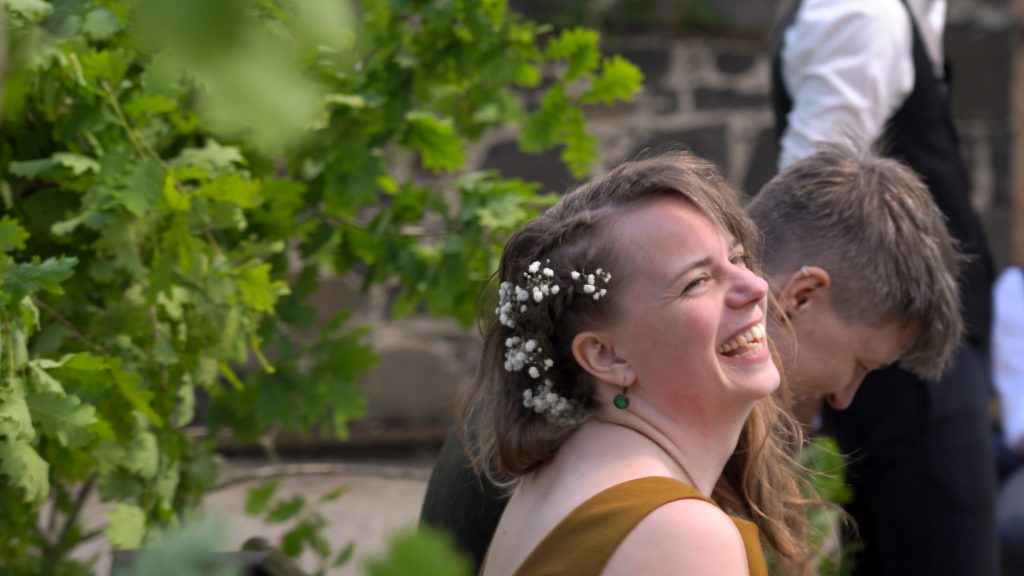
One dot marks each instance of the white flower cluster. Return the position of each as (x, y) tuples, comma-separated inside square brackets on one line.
[(512, 298), (556, 409), (589, 282), (509, 305), (525, 354)]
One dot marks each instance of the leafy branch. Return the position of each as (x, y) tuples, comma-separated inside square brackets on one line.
[(178, 177)]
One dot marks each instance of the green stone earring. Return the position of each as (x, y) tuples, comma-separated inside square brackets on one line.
[(620, 400)]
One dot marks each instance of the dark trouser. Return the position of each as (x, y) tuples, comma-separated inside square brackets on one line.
[(459, 502), (923, 472), (1011, 523)]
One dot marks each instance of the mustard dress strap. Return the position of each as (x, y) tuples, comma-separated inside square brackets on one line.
[(583, 542)]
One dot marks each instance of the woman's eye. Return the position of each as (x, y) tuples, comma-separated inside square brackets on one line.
[(695, 284), (741, 260)]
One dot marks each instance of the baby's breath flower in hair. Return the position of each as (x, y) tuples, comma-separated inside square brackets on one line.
[(539, 281), (513, 298), (588, 282), (510, 303), (555, 408), (524, 354)]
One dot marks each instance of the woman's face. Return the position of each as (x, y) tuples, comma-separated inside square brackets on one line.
[(693, 319)]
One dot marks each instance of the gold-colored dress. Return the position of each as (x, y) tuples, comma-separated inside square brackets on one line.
[(583, 542)]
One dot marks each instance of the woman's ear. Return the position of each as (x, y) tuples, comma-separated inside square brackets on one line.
[(595, 352), (805, 288)]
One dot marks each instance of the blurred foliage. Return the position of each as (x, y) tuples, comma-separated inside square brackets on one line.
[(421, 552), (187, 551), (306, 533), (175, 180), (822, 457), (192, 551)]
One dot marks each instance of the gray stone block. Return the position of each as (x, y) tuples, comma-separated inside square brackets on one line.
[(663, 101), (718, 98), (744, 16), (653, 63), (763, 162), (733, 62), (546, 167), (412, 385), (708, 142), (981, 61)]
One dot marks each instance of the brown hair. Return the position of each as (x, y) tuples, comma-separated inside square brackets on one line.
[(759, 480), (871, 223)]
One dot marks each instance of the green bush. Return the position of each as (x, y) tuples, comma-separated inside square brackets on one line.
[(176, 177)]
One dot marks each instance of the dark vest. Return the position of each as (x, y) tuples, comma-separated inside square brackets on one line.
[(922, 135)]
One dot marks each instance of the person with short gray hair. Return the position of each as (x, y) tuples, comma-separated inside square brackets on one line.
[(860, 258)]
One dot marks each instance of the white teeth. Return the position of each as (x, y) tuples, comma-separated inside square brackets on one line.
[(752, 351), (744, 340)]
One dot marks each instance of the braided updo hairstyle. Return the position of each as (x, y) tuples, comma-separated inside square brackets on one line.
[(577, 234)]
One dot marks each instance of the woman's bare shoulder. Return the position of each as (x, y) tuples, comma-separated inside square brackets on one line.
[(691, 537)]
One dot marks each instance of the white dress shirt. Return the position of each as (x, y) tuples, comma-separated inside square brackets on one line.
[(1008, 351), (848, 66)]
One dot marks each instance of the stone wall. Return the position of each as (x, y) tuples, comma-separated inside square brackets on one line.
[(707, 72)]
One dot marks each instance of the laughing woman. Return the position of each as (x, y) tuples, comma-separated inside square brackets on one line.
[(626, 379)]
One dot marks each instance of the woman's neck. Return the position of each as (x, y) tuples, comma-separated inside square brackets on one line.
[(694, 450)]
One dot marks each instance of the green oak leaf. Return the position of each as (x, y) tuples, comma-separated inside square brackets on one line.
[(233, 189), (544, 127), (128, 383), (256, 289), (186, 409), (30, 168), (619, 79), (105, 66), (15, 417), (579, 47), (41, 380), (143, 457), (100, 24), (79, 164), (285, 510), (212, 158), (26, 278), (12, 235), (25, 469), (139, 189), (30, 9), (126, 526), (65, 418), (439, 146), (258, 497)]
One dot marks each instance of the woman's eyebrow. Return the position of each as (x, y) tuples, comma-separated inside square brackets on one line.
[(706, 261)]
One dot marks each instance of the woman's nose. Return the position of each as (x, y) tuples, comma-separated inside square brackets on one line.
[(747, 288)]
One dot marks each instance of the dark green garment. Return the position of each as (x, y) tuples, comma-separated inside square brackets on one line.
[(461, 503)]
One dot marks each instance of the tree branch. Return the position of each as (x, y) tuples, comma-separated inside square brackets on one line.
[(143, 149), (83, 494), (67, 324), (320, 469)]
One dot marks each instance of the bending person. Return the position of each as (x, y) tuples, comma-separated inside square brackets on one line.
[(627, 362), (860, 259), (924, 481)]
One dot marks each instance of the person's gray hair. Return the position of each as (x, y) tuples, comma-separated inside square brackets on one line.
[(872, 224)]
